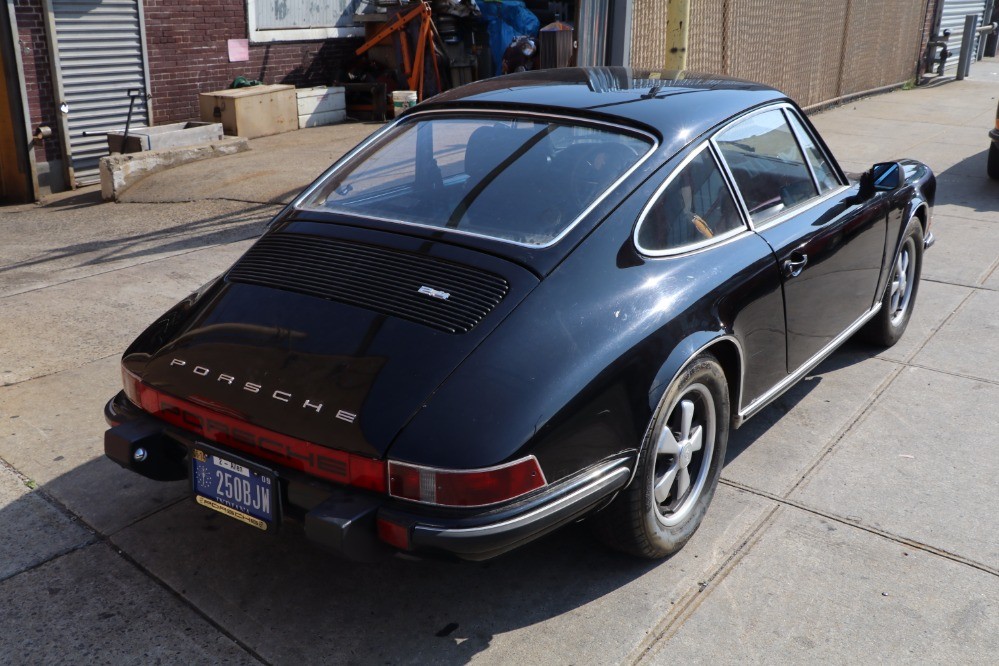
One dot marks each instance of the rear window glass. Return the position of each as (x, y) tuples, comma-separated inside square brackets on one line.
[(523, 180)]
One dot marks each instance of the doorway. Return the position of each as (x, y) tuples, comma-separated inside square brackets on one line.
[(15, 183)]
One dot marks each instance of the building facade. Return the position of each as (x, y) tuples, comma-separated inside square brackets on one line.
[(76, 68)]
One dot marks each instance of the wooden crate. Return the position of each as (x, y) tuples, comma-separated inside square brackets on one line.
[(253, 111), (321, 106)]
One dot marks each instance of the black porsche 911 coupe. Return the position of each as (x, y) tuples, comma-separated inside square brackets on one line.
[(528, 300)]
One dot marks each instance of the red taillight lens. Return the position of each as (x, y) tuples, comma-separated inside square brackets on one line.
[(477, 487), (131, 384)]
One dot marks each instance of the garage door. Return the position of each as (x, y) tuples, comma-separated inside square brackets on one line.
[(101, 57)]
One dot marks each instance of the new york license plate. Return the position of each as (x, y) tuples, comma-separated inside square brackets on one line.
[(234, 487)]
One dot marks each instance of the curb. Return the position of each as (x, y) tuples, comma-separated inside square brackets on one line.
[(119, 172)]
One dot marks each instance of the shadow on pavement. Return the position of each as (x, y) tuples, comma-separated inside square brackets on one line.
[(222, 228), (289, 601), (967, 185)]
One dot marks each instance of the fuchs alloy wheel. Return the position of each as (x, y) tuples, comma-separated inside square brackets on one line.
[(678, 467), (888, 325)]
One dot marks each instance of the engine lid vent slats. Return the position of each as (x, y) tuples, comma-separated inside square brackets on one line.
[(454, 297)]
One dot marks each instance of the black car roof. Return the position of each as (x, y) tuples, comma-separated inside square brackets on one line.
[(676, 105)]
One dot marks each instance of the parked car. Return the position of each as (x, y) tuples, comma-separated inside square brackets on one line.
[(993, 164), (529, 300)]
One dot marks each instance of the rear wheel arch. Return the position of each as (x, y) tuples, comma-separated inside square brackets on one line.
[(724, 346)]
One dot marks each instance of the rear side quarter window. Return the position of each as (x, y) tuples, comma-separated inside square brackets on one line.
[(693, 208)]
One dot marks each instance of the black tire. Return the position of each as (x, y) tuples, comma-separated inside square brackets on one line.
[(993, 161), (899, 298), (639, 522)]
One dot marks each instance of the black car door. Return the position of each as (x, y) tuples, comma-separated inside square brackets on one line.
[(828, 243)]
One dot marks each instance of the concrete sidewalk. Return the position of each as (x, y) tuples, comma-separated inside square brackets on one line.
[(855, 521)]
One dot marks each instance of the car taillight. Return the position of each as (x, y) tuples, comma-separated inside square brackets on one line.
[(131, 384), (477, 487)]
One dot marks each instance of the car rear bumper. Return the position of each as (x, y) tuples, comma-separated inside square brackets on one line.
[(348, 521)]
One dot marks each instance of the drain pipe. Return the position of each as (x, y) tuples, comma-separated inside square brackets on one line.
[(940, 41)]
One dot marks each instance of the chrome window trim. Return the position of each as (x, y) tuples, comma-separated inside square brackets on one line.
[(496, 113), (791, 113), (700, 245), (800, 208), (794, 210)]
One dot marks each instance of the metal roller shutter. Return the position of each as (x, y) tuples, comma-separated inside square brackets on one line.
[(101, 57), (952, 18)]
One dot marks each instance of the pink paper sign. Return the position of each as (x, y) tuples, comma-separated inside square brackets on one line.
[(239, 50)]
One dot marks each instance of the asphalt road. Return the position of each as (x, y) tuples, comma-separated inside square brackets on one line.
[(855, 522)]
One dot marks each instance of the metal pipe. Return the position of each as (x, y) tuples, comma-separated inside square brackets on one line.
[(967, 42), (677, 34), (986, 16)]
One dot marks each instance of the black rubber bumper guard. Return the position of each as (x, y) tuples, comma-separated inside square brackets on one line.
[(344, 520)]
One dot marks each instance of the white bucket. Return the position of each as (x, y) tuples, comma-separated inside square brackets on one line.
[(402, 100)]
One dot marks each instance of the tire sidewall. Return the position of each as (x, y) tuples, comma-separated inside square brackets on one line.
[(668, 539), (892, 331)]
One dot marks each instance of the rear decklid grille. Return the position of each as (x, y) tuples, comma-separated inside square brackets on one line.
[(441, 294)]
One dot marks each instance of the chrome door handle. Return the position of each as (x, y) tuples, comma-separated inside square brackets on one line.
[(794, 268)]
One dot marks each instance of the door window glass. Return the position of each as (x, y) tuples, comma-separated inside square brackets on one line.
[(824, 172), (695, 206), (767, 164)]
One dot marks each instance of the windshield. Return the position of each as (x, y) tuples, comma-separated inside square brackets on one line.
[(524, 180)]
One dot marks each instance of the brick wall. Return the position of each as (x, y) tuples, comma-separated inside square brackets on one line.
[(187, 44), (931, 12), (37, 73)]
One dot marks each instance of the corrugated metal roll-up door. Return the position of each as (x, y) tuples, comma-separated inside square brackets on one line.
[(952, 18), (592, 32), (101, 58)]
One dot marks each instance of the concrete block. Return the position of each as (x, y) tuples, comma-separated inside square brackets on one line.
[(814, 591), (119, 172), (921, 466), (33, 530), (968, 343), (93, 607), (172, 135)]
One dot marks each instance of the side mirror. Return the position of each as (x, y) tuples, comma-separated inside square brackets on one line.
[(882, 177)]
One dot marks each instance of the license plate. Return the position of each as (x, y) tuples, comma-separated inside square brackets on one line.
[(234, 487)]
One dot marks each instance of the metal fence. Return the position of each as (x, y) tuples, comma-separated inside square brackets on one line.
[(814, 52)]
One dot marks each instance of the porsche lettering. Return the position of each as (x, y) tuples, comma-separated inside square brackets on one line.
[(251, 387)]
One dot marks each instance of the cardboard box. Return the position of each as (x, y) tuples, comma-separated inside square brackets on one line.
[(321, 106), (253, 111)]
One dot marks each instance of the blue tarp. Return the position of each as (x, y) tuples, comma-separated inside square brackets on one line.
[(506, 20)]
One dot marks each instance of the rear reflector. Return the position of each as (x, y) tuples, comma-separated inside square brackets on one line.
[(393, 534), (478, 487)]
